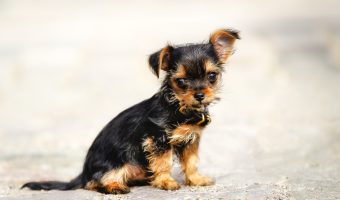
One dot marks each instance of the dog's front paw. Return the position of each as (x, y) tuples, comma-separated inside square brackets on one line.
[(198, 180), (167, 183)]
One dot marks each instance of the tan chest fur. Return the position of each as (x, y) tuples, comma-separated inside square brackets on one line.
[(185, 134)]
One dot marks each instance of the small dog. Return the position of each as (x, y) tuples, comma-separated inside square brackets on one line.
[(138, 145)]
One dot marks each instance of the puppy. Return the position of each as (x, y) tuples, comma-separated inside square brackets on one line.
[(138, 145)]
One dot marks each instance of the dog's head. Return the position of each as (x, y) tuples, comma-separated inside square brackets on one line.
[(193, 71)]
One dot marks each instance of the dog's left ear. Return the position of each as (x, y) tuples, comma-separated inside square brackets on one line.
[(223, 42), (160, 60)]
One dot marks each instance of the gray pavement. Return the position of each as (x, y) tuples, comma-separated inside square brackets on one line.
[(68, 67)]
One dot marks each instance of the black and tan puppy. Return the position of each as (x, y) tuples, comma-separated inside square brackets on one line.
[(139, 144)]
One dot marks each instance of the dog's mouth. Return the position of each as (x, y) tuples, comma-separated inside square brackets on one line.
[(200, 107)]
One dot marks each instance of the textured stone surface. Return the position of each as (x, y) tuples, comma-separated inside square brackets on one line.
[(68, 67)]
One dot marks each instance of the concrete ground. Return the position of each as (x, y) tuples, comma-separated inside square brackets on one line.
[(68, 67)]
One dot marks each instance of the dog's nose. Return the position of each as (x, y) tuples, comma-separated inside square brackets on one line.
[(199, 96)]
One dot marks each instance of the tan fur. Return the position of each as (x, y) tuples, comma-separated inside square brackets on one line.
[(160, 165), (180, 73), (123, 174), (116, 188), (211, 67), (164, 58), (92, 185), (184, 98), (165, 182), (189, 161), (115, 180), (210, 92), (148, 145), (114, 175), (185, 133), (223, 42)]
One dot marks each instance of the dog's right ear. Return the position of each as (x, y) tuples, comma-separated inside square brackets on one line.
[(160, 60)]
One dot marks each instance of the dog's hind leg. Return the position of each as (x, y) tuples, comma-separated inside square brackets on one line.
[(115, 181)]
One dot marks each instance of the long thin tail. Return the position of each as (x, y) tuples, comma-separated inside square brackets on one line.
[(55, 185)]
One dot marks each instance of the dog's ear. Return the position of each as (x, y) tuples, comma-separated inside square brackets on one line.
[(223, 41), (160, 60)]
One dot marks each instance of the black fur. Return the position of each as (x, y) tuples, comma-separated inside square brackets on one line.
[(48, 185), (120, 141)]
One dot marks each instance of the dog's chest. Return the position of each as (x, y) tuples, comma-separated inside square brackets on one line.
[(184, 134)]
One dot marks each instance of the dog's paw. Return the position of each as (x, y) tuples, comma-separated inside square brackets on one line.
[(165, 184), (198, 180), (116, 188)]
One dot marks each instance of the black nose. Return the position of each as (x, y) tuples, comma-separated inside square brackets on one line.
[(199, 96)]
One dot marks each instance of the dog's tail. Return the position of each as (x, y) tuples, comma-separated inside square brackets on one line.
[(55, 185)]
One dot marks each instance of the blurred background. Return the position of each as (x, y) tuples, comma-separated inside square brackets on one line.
[(67, 67)]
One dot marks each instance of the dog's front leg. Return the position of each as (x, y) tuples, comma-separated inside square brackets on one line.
[(189, 161), (160, 164)]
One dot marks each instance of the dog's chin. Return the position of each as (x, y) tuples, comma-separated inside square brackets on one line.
[(199, 107)]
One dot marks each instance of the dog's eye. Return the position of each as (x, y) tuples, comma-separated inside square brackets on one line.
[(212, 76), (181, 82)]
